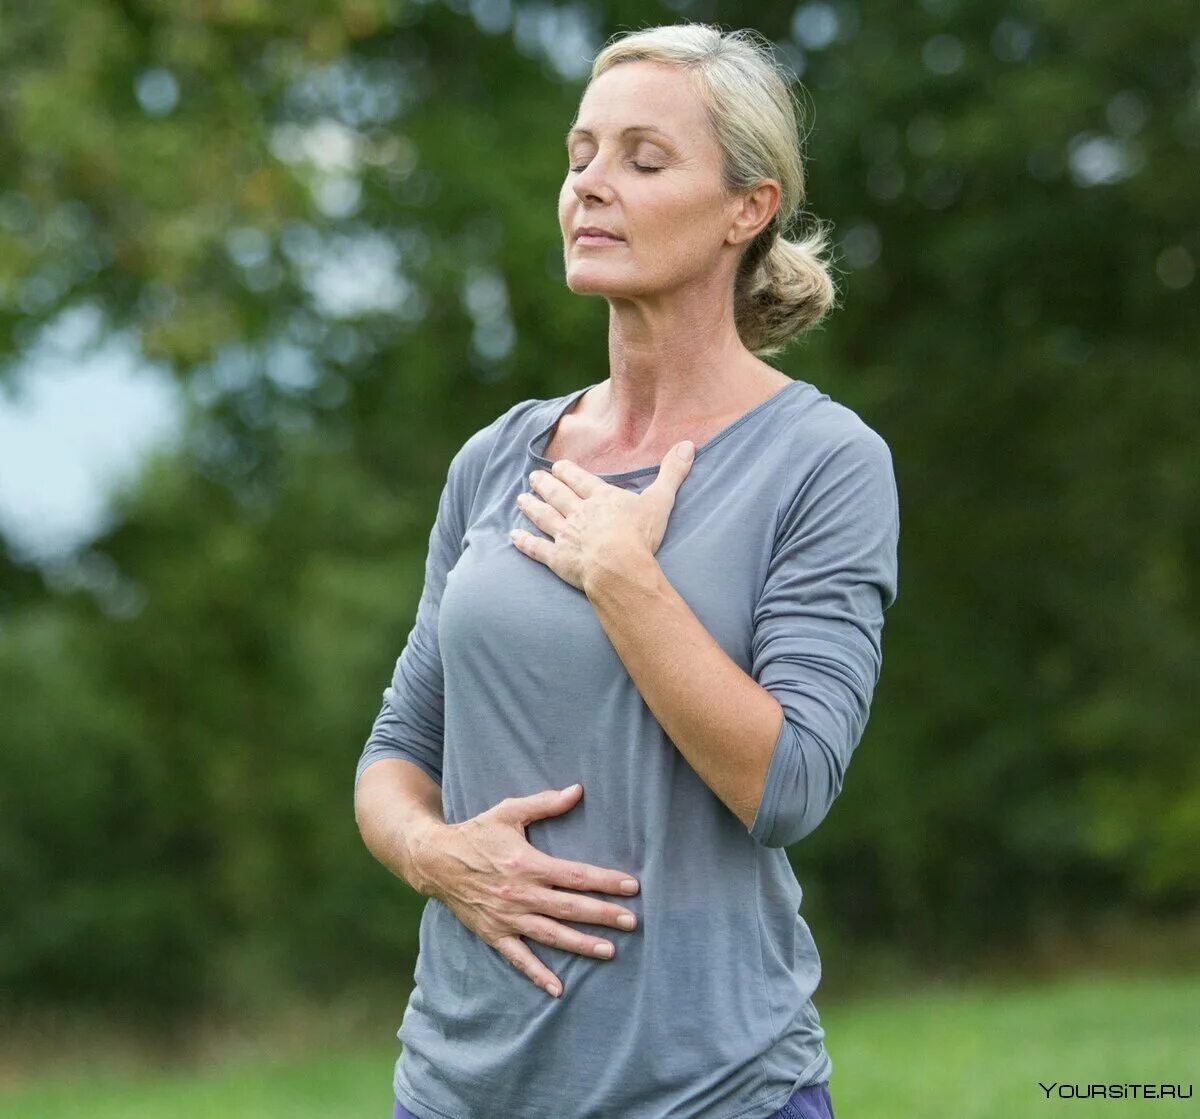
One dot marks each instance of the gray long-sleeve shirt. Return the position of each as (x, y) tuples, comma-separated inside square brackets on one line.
[(783, 542)]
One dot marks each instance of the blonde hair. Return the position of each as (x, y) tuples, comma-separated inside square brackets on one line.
[(782, 287)]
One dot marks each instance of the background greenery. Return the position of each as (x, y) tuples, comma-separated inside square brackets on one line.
[(992, 1046), (1013, 189)]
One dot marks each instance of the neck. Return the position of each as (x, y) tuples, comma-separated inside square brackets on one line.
[(670, 371)]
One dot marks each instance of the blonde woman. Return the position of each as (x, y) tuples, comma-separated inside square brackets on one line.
[(650, 632)]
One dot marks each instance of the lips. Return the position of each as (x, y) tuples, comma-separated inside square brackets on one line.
[(591, 231)]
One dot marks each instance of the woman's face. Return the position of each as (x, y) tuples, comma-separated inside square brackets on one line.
[(644, 165)]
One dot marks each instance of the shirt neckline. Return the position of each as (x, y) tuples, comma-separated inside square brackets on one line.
[(539, 441)]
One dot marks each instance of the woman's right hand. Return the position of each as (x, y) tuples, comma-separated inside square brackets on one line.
[(503, 888)]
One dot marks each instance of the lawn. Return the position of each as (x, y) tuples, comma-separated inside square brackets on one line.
[(971, 1052)]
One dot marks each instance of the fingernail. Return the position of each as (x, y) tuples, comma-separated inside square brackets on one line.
[(553, 989), (628, 886), (571, 788), (625, 921), (605, 951), (686, 450)]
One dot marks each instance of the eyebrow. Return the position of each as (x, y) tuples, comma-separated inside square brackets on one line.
[(624, 131)]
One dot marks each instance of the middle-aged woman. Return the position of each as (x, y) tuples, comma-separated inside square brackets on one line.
[(631, 686)]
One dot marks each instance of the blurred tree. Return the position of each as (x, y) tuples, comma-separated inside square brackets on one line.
[(325, 222)]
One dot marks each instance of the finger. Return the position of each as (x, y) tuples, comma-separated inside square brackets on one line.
[(564, 872), (554, 491), (517, 953), (538, 547), (548, 519), (563, 936), (676, 465), (582, 909), (550, 802), (583, 482), (584, 876)]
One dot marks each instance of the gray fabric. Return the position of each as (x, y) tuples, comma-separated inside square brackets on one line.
[(783, 542)]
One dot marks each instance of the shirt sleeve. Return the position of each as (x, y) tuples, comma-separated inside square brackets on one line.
[(818, 627), (411, 721)]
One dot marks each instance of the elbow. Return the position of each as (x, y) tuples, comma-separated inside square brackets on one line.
[(804, 779), (788, 828)]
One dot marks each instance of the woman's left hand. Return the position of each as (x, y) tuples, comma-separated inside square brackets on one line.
[(593, 525)]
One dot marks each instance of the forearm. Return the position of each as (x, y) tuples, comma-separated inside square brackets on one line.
[(722, 721), (398, 808)]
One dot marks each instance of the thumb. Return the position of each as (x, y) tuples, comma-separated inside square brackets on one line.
[(550, 802), (676, 466)]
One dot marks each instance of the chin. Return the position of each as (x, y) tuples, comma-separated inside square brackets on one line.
[(587, 280)]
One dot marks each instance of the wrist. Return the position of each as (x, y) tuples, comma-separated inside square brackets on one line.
[(424, 843), (631, 570)]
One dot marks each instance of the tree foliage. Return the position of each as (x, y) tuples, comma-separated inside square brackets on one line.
[(334, 223)]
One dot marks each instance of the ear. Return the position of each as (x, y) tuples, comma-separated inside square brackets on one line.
[(754, 210)]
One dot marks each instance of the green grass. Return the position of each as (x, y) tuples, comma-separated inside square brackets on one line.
[(972, 1052), (979, 1052)]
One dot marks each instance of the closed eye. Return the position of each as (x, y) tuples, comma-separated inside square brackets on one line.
[(643, 169)]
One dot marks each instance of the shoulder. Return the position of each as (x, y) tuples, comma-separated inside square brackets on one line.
[(497, 435), (820, 424), (501, 443), (835, 456), (840, 507), (821, 432)]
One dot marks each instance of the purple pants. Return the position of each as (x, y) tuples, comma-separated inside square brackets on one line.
[(810, 1102)]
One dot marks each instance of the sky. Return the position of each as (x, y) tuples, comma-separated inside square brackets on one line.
[(79, 417), (84, 409)]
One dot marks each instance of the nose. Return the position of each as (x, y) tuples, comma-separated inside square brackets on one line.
[(592, 182)]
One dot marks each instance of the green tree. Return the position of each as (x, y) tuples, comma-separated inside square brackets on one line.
[(335, 225)]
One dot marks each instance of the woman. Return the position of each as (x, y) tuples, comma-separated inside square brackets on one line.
[(683, 615)]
